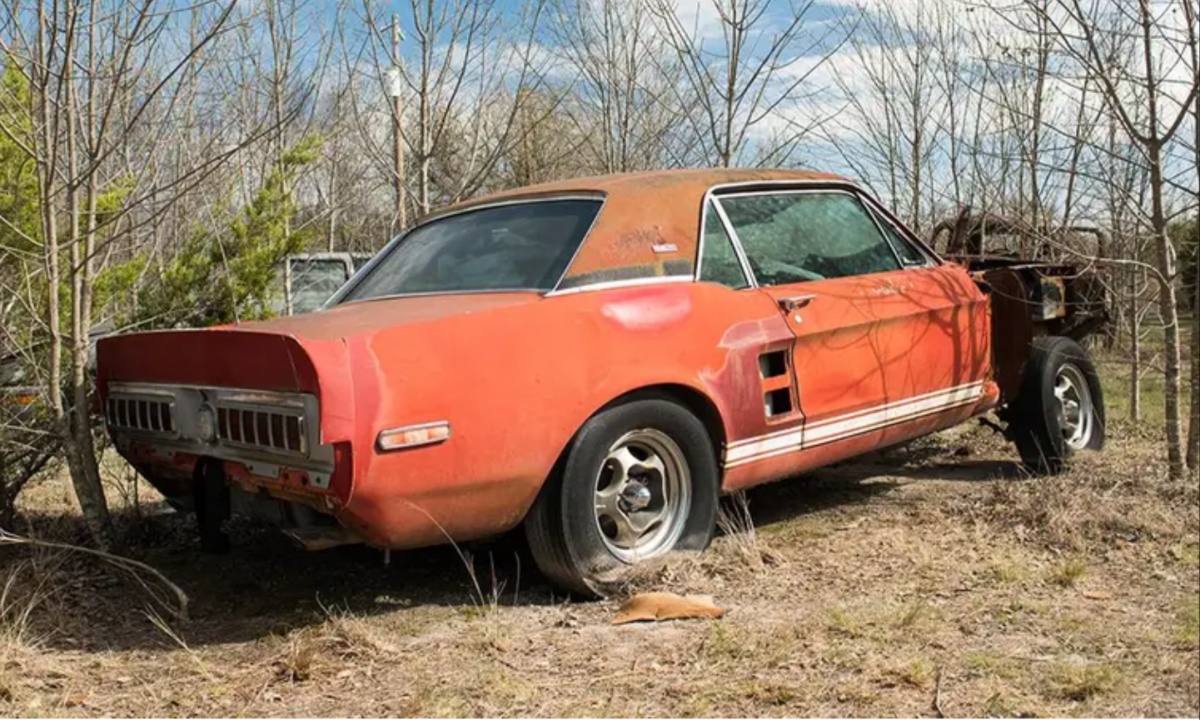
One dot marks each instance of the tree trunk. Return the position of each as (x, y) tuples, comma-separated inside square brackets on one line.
[(1170, 316), (74, 424), (1193, 451), (1135, 348)]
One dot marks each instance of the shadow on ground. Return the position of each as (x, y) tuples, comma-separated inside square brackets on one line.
[(266, 585)]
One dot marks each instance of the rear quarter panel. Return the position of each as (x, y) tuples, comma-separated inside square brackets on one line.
[(516, 383)]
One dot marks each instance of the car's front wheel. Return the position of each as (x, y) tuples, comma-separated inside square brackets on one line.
[(1060, 409), (638, 480)]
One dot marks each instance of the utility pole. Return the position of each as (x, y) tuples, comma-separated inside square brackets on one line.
[(397, 129)]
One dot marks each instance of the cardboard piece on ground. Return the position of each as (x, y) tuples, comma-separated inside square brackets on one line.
[(659, 606)]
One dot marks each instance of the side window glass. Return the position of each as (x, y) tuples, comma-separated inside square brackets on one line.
[(795, 237), (910, 256), (718, 262)]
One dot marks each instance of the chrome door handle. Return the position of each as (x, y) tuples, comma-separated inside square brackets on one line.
[(795, 302)]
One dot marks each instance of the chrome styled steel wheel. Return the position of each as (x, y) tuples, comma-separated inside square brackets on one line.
[(1074, 406), (1060, 407), (639, 479), (643, 495)]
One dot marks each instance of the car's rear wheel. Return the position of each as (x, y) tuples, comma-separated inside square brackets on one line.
[(1060, 409), (639, 480)]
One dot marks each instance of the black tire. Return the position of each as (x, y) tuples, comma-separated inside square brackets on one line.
[(212, 507), (1035, 416), (564, 534)]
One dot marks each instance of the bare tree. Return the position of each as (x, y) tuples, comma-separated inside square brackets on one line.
[(1193, 446), (1079, 30), (460, 55), (622, 97), (100, 80), (742, 67), (893, 122)]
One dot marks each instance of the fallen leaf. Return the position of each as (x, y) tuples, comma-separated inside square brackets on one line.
[(659, 606)]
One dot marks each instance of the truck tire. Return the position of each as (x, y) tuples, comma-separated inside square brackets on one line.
[(1060, 408), (637, 481)]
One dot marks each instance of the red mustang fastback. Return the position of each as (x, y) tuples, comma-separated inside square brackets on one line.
[(599, 360)]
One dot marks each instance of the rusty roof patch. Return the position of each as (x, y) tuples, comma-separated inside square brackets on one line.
[(644, 213)]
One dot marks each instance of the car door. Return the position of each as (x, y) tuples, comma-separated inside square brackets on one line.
[(877, 332)]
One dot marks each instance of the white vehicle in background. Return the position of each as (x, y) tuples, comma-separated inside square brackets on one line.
[(309, 279)]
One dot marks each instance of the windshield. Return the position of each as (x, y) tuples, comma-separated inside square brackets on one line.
[(314, 280), (524, 246)]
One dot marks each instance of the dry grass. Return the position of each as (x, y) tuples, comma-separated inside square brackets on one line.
[(1188, 634), (1122, 495), (865, 590), (1079, 680), (1068, 572), (740, 538)]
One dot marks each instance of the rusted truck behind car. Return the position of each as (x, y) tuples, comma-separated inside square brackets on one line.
[(599, 360)]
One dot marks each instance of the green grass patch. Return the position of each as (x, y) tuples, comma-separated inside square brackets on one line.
[(1114, 380)]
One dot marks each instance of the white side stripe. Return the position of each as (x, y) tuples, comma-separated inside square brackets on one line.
[(975, 386), (843, 426), (888, 414)]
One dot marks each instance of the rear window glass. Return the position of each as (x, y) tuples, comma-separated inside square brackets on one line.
[(523, 246)]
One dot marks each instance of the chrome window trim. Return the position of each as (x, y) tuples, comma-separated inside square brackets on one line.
[(438, 293), (629, 282), (357, 278), (587, 234), (738, 252)]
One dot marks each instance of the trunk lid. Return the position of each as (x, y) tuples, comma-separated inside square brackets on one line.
[(285, 354)]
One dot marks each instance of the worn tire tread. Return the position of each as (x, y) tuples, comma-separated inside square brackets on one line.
[(1042, 450)]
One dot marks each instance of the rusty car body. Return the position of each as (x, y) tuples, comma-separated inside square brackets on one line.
[(598, 358)]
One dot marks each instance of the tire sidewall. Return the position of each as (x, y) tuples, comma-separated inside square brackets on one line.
[(584, 542), (1037, 408)]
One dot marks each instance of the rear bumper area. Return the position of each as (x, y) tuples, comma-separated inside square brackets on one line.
[(389, 519), (173, 471)]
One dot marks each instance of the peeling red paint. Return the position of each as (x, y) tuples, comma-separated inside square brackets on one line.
[(515, 375), (648, 309)]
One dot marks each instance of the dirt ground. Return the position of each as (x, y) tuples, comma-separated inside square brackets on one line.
[(934, 578)]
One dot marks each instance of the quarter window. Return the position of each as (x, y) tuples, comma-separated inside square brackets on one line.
[(796, 237), (718, 262)]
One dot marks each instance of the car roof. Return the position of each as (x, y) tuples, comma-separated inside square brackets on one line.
[(650, 223)]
